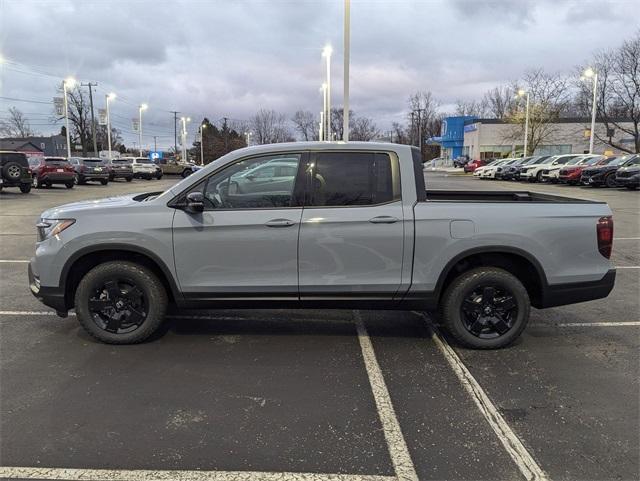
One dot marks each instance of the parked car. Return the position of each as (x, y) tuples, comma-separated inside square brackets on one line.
[(533, 172), (472, 165), (501, 169), (571, 173), (537, 159), (552, 173), (461, 161), (509, 171), (183, 169), (489, 171), (120, 169), (629, 175), (477, 172), (46, 171), (89, 169), (605, 174), (354, 227), (144, 168), (15, 171)]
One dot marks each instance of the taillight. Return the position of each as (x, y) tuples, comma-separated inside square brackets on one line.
[(604, 230)]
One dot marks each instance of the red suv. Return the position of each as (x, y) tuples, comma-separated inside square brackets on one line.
[(571, 173), (474, 164), (51, 170)]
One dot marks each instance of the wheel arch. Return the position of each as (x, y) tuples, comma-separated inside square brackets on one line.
[(516, 261), (85, 259)]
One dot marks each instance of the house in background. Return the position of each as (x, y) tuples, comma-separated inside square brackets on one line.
[(53, 145), (22, 145)]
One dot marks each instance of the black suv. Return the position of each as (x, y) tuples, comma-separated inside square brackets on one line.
[(14, 171)]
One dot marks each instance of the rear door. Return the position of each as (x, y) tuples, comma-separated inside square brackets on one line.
[(351, 235)]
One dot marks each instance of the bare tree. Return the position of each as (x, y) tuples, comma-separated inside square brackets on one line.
[(79, 118), (270, 127), (472, 107), (306, 124), (399, 133), (499, 102), (364, 129), (549, 99), (103, 141), (16, 125), (423, 109), (618, 93)]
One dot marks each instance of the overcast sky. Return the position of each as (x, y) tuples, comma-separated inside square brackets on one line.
[(231, 58)]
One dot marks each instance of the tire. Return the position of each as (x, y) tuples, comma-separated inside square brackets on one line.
[(610, 181), (158, 176), (146, 310), (35, 182), (81, 180), (104, 181), (69, 185), (128, 179), (186, 173), (539, 177), (12, 171), (25, 188), (464, 290)]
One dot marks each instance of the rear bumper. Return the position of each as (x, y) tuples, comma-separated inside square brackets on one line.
[(563, 294), (57, 178), (49, 296), (94, 175)]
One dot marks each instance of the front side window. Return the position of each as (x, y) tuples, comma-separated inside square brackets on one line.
[(254, 183), (353, 178)]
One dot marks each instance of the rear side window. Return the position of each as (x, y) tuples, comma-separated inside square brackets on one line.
[(20, 159), (339, 179)]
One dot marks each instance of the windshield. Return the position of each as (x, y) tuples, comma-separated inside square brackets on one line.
[(94, 161), (564, 160), (633, 161), (55, 159), (121, 161), (143, 161), (592, 161)]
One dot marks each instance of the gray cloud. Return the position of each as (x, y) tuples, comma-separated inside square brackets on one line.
[(232, 58)]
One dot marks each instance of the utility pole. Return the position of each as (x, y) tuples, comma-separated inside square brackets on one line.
[(226, 134), (412, 124), (347, 45), (175, 131), (93, 120), (155, 143), (420, 129)]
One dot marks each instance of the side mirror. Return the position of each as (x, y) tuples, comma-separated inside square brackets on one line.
[(195, 202), (251, 177)]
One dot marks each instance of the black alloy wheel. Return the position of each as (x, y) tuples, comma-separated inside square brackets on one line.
[(489, 311), (610, 181), (118, 306)]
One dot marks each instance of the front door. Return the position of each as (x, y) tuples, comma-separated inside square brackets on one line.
[(351, 236), (245, 243)]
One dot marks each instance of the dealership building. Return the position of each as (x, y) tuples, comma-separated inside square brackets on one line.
[(490, 138)]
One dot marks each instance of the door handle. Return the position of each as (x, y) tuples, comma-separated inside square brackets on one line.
[(280, 223), (384, 219)]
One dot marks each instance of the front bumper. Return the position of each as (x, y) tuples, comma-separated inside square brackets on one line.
[(50, 296), (594, 179), (629, 181)]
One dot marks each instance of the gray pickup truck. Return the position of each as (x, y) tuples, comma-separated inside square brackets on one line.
[(345, 225)]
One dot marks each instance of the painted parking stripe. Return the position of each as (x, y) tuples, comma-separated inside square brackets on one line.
[(512, 444), (627, 267), (599, 324), (15, 261), (173, 475), (398, 451), (626, 238)]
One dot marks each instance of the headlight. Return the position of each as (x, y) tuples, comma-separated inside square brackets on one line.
[(52, 227)]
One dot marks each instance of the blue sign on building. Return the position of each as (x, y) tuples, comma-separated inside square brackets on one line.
[(156, 156)]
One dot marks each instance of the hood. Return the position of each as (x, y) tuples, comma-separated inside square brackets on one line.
[(94, 206)]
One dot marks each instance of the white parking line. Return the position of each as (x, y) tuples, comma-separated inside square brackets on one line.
[(13, 261), (626, 238), (512, 444), (174, 475), (627, 267), (398, 451), (599, 324)]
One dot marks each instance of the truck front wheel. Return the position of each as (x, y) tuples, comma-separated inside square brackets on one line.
[(120, 302), (485, 308)]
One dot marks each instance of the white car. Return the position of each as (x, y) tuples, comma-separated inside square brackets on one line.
[(533, 172), (479, 170), (490, 171), (145, 168), (552, 174)]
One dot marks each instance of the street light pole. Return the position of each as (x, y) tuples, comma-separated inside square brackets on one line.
[(202, 144), (66, 84), (321, 133), (588, 74), (109, 97), (347, 47), (526, 121), (326, 52), (140, 109), (325, 124)]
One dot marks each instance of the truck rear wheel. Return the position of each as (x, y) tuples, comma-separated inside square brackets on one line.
[(120, 302), (485, 308)]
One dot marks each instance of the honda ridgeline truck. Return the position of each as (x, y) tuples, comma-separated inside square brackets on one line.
[(344, 225)]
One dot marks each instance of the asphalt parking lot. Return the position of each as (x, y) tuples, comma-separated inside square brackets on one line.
[(319, 395)]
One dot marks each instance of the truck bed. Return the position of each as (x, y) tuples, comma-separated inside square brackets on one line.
[(500, 196)]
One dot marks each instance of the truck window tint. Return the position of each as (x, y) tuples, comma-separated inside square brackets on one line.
[(353, 178), (258, 182)]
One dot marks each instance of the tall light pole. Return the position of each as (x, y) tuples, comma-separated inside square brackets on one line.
[(140, 109), (247, 138), (347, 48), (321, 133), (326, 53), (325, 115), (591, 73), (526, 120), (67, 84), (184, 137), (202, 126), (108, 98)]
